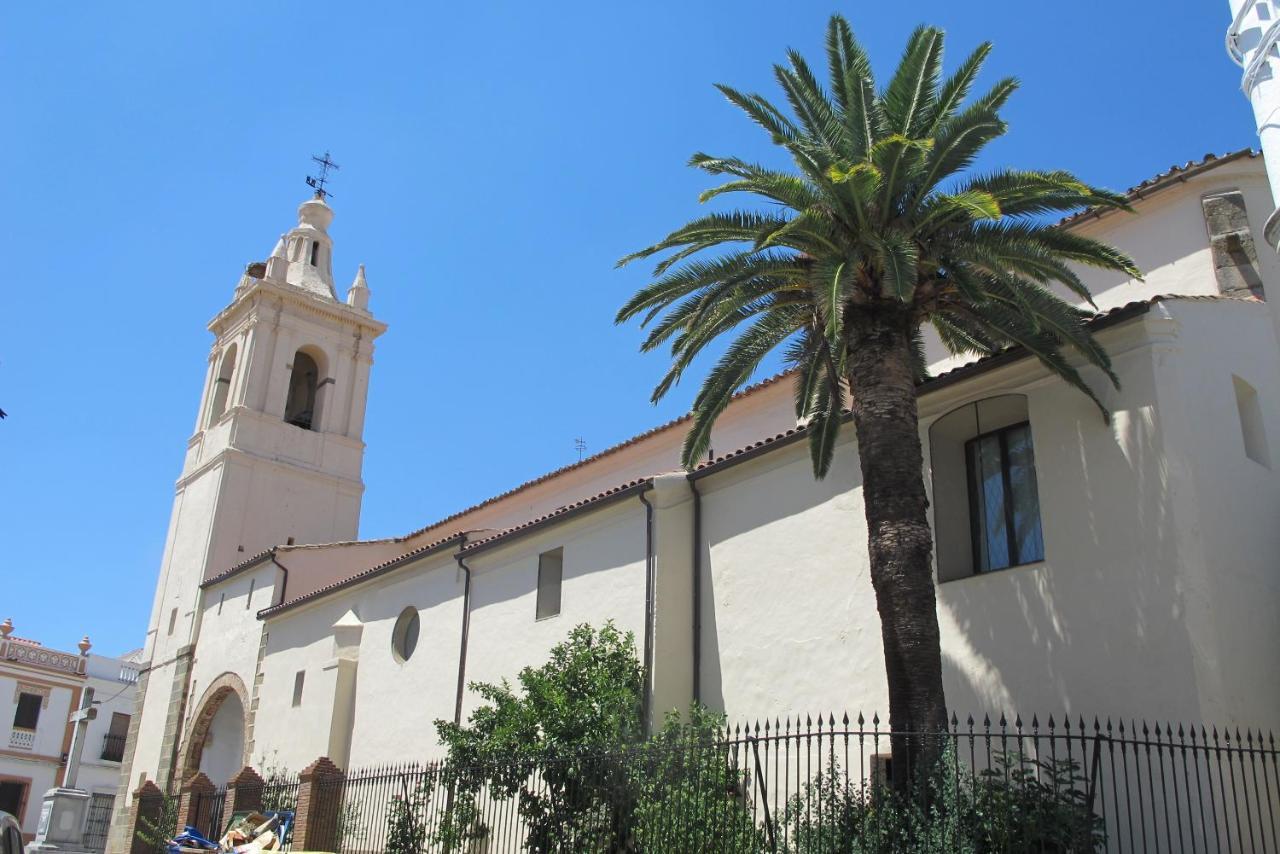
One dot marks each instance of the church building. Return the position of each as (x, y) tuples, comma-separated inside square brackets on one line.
[(1140, 578)]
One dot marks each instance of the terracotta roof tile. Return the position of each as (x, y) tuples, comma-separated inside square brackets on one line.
[(613, 449), (459, 537), (244, 564), (364, 574), (1164, 179), (629, 486)]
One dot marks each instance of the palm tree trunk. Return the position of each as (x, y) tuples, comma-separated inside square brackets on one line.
[(882, 383)]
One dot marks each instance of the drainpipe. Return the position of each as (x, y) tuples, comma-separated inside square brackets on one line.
[(697, 590), (284, 585), (646, 700), (466, 631)]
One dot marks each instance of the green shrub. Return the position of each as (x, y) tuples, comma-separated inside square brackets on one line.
[(1021, 804)]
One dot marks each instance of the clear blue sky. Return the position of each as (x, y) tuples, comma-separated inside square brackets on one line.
[(496, 160)]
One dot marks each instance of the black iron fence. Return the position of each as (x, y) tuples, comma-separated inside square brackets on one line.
[(280, 792), (98, 821), (829, 785), (112, 748), (207, 810)]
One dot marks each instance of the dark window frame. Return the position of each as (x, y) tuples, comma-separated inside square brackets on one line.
[(543, 590), (975, 525), (17, 711)]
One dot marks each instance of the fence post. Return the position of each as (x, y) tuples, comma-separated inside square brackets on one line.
[(148, 803), (244, 793), (195, 799), (315, 825)]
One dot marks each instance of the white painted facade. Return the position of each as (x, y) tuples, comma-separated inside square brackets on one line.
[(275, 457), (1156, 595), (35, 732)]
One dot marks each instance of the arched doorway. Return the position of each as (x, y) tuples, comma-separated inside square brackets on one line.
[(216, 742)]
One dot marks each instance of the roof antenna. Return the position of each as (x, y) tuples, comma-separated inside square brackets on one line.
[(317, 184), (580, 445)]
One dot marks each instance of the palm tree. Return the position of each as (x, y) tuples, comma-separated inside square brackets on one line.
[(879, 229)]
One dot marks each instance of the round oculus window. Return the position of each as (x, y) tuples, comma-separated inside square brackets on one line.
[(404, 638)]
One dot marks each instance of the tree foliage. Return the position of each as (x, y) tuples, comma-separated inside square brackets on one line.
[(881, 215), (570, 748)]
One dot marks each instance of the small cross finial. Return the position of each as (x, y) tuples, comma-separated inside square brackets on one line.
[(318, 183), (580, 445)]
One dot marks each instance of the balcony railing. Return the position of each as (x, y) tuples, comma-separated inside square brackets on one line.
[(22, 739), (112, 748)]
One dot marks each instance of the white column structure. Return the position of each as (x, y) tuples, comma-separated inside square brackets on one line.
[(1253, 42), (276, 457)]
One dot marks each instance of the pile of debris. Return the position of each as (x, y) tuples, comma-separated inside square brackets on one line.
[(249, 833)]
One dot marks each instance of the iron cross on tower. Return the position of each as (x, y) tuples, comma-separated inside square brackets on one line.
[(318, 183)]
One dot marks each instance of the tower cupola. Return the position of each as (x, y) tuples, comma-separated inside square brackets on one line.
[(309, 250)]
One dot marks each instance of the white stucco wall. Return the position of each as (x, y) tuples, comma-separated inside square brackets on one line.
[(788, 617), (1231, 501), (1123, 616), (398, 701), (604, 578)]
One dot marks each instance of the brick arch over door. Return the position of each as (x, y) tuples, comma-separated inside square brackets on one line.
[(210, 702)]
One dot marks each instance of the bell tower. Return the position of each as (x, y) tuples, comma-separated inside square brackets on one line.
[(275, 457)]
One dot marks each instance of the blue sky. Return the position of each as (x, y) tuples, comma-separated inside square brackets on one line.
[(497, 158)]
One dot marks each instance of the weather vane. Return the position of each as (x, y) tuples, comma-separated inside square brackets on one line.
[(318, 183), (580, 445)]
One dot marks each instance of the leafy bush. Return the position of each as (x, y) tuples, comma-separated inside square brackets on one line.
[(562, 727), (1025, 803), (688, 791), (1021, 804)]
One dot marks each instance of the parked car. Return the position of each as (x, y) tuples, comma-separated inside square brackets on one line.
[(10, 834)]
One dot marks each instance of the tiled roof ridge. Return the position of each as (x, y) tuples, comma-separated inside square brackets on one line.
[(612, 449), (560, 511), (362, 574), (1163, 179), (377, 569)]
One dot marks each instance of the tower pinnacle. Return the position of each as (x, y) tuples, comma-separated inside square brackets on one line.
[(358, 293)]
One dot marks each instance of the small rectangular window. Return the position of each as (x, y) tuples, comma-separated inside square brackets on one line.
[(298, 679), (1251, 429), (119, 724), (173, 619), (222, 598), (27, 714), (550, 575), (1004, 504), (249, 599)]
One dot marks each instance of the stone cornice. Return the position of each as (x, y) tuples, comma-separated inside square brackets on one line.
[(352, 485), (263, 290)]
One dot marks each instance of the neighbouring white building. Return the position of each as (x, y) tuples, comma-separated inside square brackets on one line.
[(40, 687), (1142, 577)]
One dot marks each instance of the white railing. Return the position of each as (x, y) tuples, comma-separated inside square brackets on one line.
[(22, 739)]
